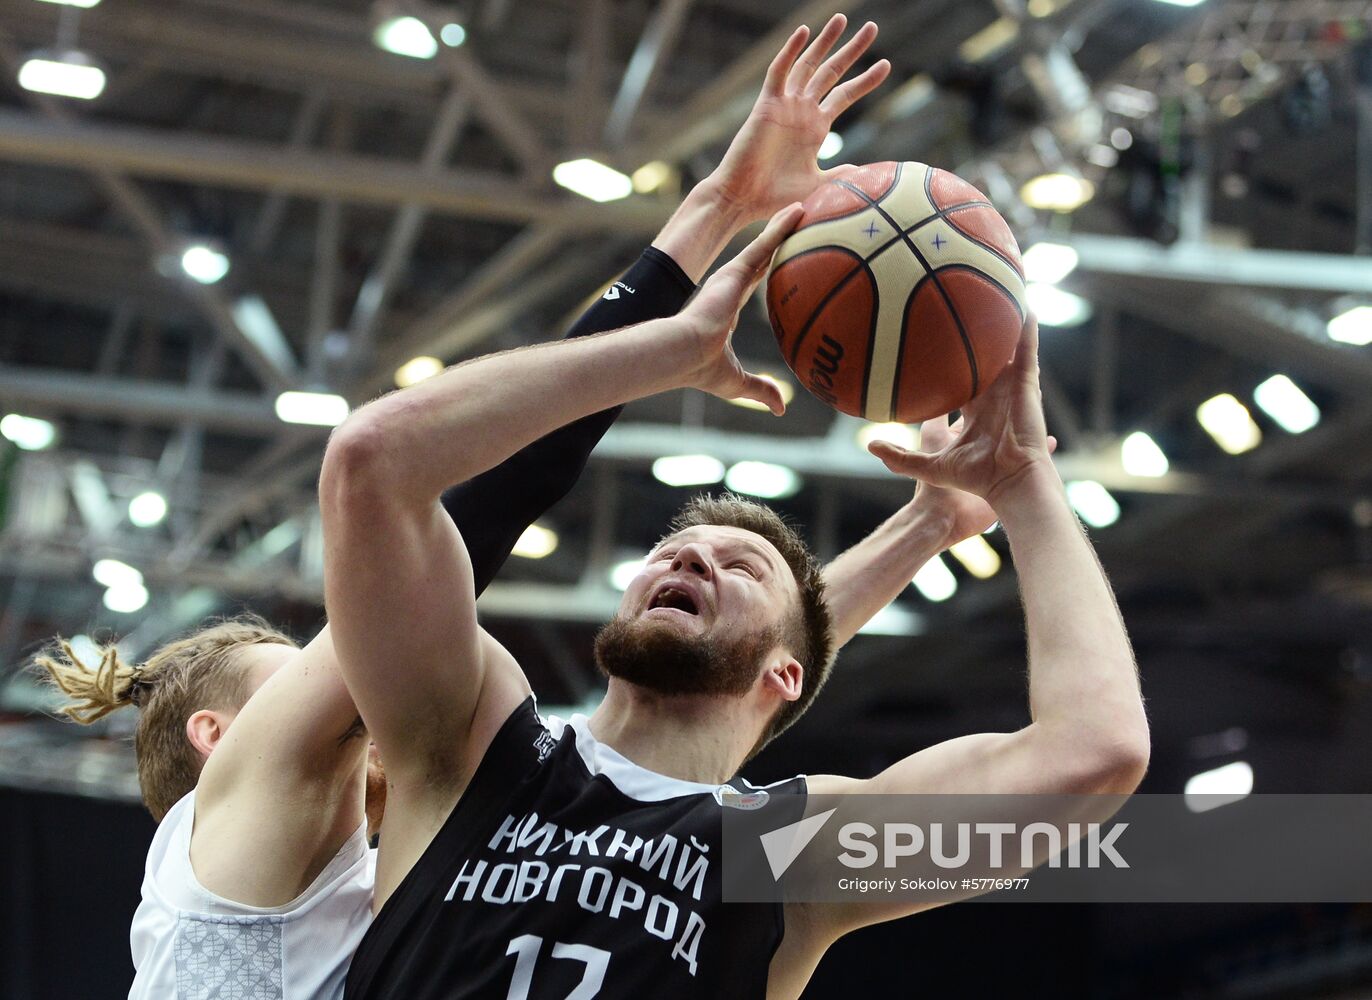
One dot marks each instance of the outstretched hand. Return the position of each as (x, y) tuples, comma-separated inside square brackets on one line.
[(710, 318), (1000, 437), (773, 160)]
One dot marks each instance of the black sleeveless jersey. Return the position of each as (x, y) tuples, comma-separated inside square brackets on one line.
[(567, 872)]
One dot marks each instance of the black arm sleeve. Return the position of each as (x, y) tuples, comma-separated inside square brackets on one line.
[(493, 509)]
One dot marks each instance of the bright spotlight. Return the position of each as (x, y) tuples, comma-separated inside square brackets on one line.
[(1230, 424), (320, 409), (29, 433), (126, 598), (205, 264), (536, 542), (406, 36), (1055, 307), (1220, 787), (831, 146), (762, 479), (623, 573), (1057, 192), (688, 470), (1141, 456), (1093, 503), (593, 179), (63, 74), (417, 370), (1049, 262), (113, 573), (935, 580), (147, 509), (1283, 401)]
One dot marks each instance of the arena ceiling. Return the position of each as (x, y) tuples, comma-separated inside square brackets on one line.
[(377, 207)]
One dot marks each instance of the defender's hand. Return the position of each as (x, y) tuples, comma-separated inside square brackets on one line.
[(709, 319), (773, 159), (959, 514), (1001, 439)]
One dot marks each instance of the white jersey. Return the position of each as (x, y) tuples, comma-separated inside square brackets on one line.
[(189, 944)]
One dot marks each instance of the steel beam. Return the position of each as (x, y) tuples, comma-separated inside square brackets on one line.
[(653, 50), (47, 391), (259, 166), (718, 107), (405, 229), (1220, 265)]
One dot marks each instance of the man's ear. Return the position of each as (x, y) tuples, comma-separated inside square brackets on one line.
[(786, 677), (205, 729)]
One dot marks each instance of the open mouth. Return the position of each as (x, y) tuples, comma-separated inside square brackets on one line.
[(677, 600)]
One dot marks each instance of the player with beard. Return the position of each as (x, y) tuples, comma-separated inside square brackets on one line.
[(249, 749), (533, 858)]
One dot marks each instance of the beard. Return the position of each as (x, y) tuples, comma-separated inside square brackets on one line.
[(662, 660)]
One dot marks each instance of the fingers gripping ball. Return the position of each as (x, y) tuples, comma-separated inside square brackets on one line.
[(900, 295)]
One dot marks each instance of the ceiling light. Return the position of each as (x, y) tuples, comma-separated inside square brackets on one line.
[(1121, 138), (417, 370), (406, 36), (787, 390), (762, 479), (901, 435), (623, 573), (977, 557), (322, 409), (1054, 307), (1093, 503), (1057, 192), (688, 470), (536, 542), (1141, 456), (452, 34), (29, 433), (831, 146), (1042, 8), (935, 580), (1049, 262), (75, 3), (1102, 155), (113, 573), (147, 509), (1231, 425), (592, 179), (1182, 3), (126, 597), (1283, 401), (205, 264), (651, 176), (1220, 787), (1132, 102), (989, 40), (1352, 327), (65, 74)]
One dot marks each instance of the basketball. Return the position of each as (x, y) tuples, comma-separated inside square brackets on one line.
[(900, 296)]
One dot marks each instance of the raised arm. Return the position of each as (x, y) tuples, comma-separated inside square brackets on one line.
[(770, 163), (431, 685), (1089, 733)]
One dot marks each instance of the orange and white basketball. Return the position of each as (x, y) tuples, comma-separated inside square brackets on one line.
[(900, 296)]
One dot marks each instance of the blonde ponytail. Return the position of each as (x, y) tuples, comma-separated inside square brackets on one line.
[(199, 671), (93, 693)]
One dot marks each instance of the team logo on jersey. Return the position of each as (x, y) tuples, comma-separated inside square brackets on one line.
[(728, 795), (544, 745)]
